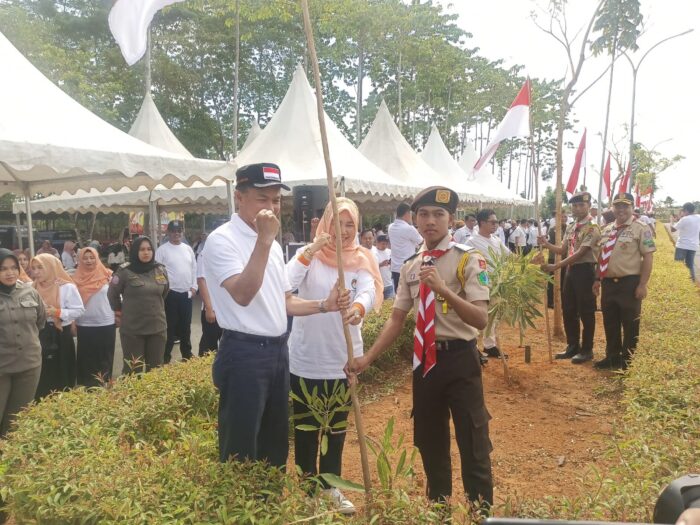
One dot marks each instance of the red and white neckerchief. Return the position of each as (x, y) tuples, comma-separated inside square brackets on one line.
[(424, 349), (577, 228), (608, 248)]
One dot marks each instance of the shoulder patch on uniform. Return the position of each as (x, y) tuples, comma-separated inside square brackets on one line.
[(483, 278), (115, 279), (124, 265)]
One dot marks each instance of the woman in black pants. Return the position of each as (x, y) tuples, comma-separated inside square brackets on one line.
[(96, 328)]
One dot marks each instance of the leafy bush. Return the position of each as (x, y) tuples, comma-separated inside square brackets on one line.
[(657, 438)]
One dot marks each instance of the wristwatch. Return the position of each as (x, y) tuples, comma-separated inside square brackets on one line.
[(322, 306)]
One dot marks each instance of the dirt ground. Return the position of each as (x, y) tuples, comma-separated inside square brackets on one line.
[(549, 424)]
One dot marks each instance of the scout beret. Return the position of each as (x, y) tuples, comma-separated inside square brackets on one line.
[(624, 198), (261, 175), (436, 196), (582, 196), (175, 226)]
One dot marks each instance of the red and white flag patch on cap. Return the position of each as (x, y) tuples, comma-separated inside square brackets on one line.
[(271, 173)]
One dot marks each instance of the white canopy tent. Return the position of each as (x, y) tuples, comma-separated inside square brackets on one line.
[(293, 141), (151, 128), (438, 157), (253, 133), (49, 142)]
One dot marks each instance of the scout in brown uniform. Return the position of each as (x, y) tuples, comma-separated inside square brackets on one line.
[(447, 285), (580, 252), (626, 259)]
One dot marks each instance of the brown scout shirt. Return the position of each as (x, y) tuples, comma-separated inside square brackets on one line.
[(588, 235), (447, 325), (140, 297), (22, 315), (633, 241)]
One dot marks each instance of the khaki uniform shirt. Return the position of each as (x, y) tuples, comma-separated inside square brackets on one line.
[(448, 325), (633, 241), (22, 315), (140, 298), (588, 235)]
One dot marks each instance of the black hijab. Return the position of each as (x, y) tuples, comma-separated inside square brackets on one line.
[(4, 254), (135, 264)]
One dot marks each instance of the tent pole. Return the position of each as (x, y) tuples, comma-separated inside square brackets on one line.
[(229, 197), (20, 241), (30, 226), (153, 220)]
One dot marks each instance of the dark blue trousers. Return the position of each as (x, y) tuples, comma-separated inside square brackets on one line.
[(178, 314), (252, 375)]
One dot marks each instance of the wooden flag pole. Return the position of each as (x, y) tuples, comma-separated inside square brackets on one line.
[(535, 176), (338, 250)]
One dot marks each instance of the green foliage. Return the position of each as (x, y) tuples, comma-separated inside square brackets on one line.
[(619, 23), (394, 464), (516, 290)]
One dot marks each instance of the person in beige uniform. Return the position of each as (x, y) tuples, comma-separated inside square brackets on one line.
[(626, 258), (579, 252), (448, 287)]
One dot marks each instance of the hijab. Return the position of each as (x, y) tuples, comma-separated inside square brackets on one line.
[(4, 254), (355, 257), (89, 282), (55, 277), (22, 273), (135, 264)]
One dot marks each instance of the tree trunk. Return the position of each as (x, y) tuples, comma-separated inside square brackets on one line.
[(563, 110), (605, 129), (399, 113), (235, 80)]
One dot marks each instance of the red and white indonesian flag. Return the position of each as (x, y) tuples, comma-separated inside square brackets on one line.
[(516, 123), (573, 178), (129, 21)]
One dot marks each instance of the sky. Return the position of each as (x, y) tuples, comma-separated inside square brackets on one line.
[(668, 82)]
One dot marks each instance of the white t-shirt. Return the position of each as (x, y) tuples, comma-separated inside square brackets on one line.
[(404, 239), (532, 234), (97, 310), (71, 304), (385, 271), (518, 237), (181, 265), (482, 245), (501, 234), (226, 254), (688, 229), (316, 344), (67, 260)]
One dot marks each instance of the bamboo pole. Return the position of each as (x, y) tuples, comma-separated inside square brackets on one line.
[(338, 250), (535, 176)]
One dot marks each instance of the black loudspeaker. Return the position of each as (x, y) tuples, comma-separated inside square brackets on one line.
[(309, 202)]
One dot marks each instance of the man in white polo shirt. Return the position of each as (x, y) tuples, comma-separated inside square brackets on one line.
[(181, 265), (404, 240), (250, 293), (688, 228)]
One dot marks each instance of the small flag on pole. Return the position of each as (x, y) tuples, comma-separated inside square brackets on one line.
[(573, 178), (626, 179), (516, 123), (606, 176), (129, 21)]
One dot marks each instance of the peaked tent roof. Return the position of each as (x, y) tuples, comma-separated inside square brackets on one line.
[(438, 157), (48, 141), (386, 147), (490, 184), (292, 140), (150, 127), (253, 133)]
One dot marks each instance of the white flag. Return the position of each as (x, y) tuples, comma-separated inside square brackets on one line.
[(516, 123), (129, 21)]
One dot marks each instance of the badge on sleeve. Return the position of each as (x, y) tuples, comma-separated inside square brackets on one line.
[(483, 278), (482, 264), (115, 279)]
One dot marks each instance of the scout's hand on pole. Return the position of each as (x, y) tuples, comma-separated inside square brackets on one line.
[(268, 225), (338, 300)]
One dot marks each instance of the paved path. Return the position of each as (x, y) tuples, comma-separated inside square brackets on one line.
[(196, 334)]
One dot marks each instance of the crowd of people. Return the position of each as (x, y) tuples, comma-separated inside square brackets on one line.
[(272, 326)]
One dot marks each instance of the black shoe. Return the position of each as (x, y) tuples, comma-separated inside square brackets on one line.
[(582, 357), (483, 358), (609, 363), (570, 352), (494, 351)]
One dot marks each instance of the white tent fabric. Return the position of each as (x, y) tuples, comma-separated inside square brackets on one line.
[(484, 179), (150, 127), (48, 141), (254, 132), (292, 140), (386, 147), (438, 157)]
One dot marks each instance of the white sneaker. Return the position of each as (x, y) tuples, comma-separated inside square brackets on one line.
[(343, 504)]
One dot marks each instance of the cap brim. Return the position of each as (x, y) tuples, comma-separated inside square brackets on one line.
[(270, 185), (622, 201)]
